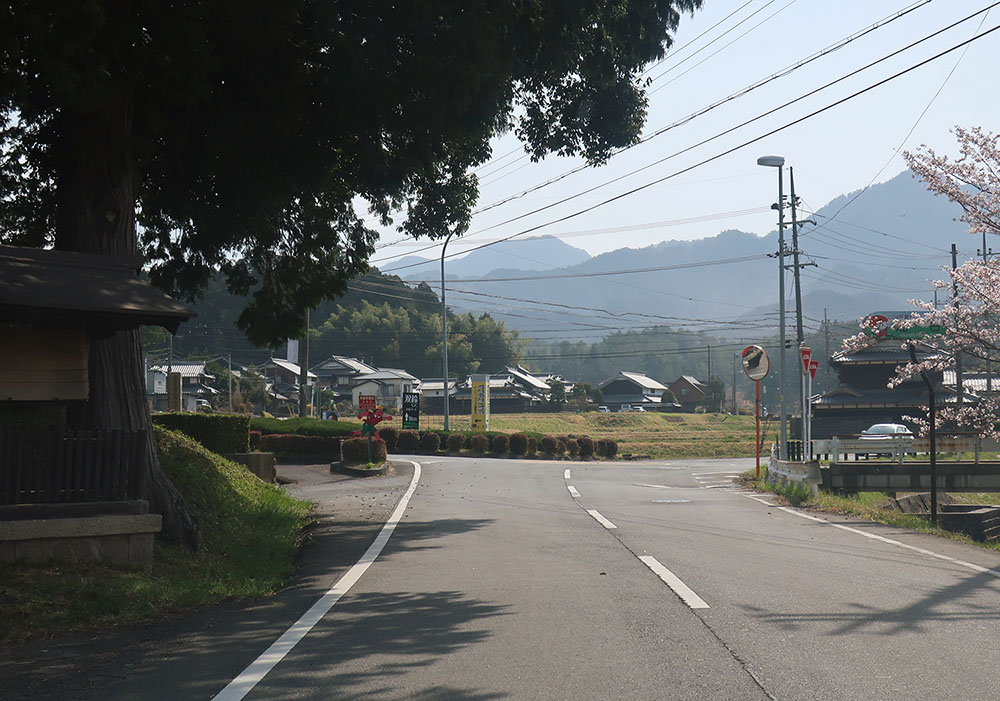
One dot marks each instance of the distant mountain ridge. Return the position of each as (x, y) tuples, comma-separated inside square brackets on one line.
[(882, 249), (517, 254)]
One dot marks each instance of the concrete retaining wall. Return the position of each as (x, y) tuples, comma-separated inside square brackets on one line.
[(121, 539), (261, 464)]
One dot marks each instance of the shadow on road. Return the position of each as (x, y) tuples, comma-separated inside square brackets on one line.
[(917, 616)]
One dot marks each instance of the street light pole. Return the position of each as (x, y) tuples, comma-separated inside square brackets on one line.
[(444, 337), (778, 162)]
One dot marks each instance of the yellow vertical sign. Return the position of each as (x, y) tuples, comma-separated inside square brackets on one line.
[(480, 402)]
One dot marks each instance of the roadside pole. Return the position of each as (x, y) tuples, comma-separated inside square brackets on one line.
[(756, 365)]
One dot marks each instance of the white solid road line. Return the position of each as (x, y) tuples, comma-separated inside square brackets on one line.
[(239, 687), (566, 474), (730, 472), (671, 580), (572, 491), (898, 544), (601, 520), (759, 500), (660, 486)]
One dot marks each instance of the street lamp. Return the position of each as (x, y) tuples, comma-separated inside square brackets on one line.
[(444, 336), (779, 162)]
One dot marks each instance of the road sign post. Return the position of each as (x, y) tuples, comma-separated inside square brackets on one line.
[(756, 365)]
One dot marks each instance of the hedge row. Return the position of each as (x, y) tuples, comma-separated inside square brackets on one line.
[(409, 441), (219, 433), (290, 444), (229, 433), (304, 426)]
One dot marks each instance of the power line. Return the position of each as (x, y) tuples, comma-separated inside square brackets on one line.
[(738, 147)]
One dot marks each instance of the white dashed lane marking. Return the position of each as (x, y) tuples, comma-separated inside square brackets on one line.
[(601, 520), (679, 588), (572, 490)]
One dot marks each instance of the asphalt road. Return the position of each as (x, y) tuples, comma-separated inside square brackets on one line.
[(544, 580)]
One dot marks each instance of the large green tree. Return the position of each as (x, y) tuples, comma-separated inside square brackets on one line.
[(244, 133)]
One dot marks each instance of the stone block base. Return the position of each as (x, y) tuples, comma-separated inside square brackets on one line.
[(120, 539)]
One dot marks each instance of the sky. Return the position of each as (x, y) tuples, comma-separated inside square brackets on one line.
[(718, 53)]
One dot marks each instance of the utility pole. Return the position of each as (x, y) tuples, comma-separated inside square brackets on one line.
[(304, 370), (986, 253), (230, 383), (710, 361), (826, 335), (799, 335), (959, 380), (736, 362)]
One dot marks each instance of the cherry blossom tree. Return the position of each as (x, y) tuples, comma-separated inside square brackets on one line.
[(971, 316)]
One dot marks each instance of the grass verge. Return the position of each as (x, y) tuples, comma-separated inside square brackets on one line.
[(871, 506), (250, 532)]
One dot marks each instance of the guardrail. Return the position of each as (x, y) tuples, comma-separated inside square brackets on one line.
[(895, 446), (787, 471)]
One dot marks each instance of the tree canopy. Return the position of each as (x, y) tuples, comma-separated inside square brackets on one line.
[(970, 312), (246, 133)]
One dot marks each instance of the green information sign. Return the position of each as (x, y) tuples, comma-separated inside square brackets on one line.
[(879, 325)]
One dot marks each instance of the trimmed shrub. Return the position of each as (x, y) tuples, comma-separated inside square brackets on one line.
[(586, 446), (549, 445), (455, 443), (390, 435), (219, 433), (408, 441), (572, 447), (254, 440), (518, 444), (301, 446), (532, 445), (560, 446), (355, 451), (479, 443), (501, 444), (430, 442), (612, 447)]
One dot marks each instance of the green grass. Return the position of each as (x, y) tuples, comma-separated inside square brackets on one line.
[(250, 532), (663, 436), (871, 506)]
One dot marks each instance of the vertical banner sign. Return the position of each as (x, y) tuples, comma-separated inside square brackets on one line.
[(174, 392), (366, 402), (806, 355), (480, 402), (411, 410)]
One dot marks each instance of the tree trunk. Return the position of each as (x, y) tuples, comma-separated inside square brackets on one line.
[(96, 181)]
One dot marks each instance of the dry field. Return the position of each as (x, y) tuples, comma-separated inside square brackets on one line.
[(646, 434)]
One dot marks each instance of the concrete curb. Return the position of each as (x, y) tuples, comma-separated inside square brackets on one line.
[(359, 471)]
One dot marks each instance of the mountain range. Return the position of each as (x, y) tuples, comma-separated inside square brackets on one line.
[(868, 250)]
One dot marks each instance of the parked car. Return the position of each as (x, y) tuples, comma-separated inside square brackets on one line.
[(884, 433), (639, 408), (603, 410), (624, 408)]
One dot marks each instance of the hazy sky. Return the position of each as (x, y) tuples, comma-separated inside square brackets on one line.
[(836, 152)]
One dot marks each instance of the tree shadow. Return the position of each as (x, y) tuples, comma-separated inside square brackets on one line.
[(915, 617), (383, 637)]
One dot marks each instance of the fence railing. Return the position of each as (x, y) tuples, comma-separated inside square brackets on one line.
[(59, 467)]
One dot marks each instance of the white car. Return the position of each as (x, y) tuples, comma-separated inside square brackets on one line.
[(603, 410), (898, 436), (624, 408), (638, 408), (885, 431)]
